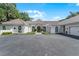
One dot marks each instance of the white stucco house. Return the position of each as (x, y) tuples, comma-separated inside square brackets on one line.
[(15, 26), (20, 26), (68, 26)]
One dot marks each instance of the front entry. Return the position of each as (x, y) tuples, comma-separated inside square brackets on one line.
[(38, 29), (56, 29), (19, 29)]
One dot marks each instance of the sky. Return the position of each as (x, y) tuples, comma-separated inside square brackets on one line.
[(48, 11)]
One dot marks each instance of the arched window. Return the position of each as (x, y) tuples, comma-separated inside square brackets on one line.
[(19, 27)]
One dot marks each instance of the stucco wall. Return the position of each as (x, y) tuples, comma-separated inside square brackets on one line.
[(27, 29), (8, 29), (0, 29), (60, 29), (14, 29), (52, 29), (48, 28), (73, 29)]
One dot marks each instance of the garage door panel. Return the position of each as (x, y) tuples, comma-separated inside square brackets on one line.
[(74, 31)]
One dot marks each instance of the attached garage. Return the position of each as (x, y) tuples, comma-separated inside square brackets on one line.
[(74, 30)]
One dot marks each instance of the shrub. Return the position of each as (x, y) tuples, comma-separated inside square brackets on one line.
[(46, 33), (30, 33), (6, 33)]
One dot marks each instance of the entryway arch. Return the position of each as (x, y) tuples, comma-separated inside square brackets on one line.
[(39, 29)]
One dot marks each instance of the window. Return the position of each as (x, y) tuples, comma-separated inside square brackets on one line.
[(56, 29), (33, 29), (44, 28), (4, 28), (19, 27), (64, 28), (14, 28)]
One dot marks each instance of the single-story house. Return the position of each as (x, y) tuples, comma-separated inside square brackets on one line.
[(20, 26), (68, 26)]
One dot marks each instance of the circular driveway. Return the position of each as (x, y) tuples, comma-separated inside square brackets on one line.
[(38, 45)]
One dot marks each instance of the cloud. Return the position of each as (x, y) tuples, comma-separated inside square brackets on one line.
[(56, 18), (36, 14), (29, 11), (73, 4), (77, 4)]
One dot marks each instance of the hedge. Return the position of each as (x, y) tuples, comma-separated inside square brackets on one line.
[(6, 33)]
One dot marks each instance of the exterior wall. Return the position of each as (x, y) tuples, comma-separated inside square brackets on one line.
[(0, 29), (73, 29), (27, 29), (24, 29), (8, 29), (48, 29), (67, 29), (52, 30), (60, 29), (11, 29), (14, 29)]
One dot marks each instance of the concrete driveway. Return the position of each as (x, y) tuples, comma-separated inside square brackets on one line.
[(38, 45)]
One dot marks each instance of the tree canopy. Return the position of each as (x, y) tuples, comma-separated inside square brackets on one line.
[(72, 14), (8, 12), (24, 16)]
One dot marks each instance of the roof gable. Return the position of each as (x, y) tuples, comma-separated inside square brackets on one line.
[(15, 22), (21, 22), (74, 19)]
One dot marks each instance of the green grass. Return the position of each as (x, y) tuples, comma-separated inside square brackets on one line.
[(6, 33), (45, 33), (30, 33)]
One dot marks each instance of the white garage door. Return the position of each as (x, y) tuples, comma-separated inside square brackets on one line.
[(53, 29), (74, 31)]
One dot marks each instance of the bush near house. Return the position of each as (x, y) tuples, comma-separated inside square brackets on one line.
[(6, 33), (30, 33), (45, 33)]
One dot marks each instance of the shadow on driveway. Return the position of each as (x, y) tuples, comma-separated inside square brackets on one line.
[(72, 36)]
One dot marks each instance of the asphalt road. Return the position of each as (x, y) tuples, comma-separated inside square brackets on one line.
[(38, 45)]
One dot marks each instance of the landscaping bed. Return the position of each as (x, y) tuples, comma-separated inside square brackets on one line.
[(6, 33), (30, 33), (45, 33)]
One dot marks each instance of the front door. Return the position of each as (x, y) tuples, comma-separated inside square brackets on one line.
[(38, 29), (56, 29), (19, 29)]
